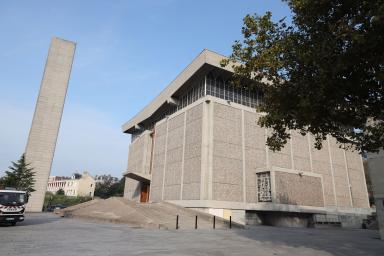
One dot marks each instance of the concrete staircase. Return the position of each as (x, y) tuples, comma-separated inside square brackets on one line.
[(160, 215)]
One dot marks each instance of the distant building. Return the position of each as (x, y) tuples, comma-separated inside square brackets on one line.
[(77, 185)]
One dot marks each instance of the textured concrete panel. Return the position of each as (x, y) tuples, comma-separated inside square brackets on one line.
[(228, 150), (359, 194), (155, 194), (226, 131), (320, 155), (175, 138), (302, 164), (194, 113), (354, 160), (173, 174), (192, 170), (301, 190), (191, 191), (376, 170), (321, 164), (46, 120), (255, 154), (161, 128), (300, 145), (227, 169), (254, 136), (227, 112), (174, 157), (139, 157), (227, 192), (357, 179), (341, 186), (158, 162), (251, 119), (340, 171), (192, 150), (176, 122), (328, 190), (172, 192), (300, 151), (280, 160), (193, 132), (254, 159), (192, 153), (337, 155), (132, 189)]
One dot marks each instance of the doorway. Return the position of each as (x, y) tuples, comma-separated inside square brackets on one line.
[(144, 193)]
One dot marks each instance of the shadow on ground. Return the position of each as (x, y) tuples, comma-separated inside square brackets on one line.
[(35, 219), (331, 240)]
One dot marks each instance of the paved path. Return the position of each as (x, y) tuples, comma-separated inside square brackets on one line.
[(47, 234)]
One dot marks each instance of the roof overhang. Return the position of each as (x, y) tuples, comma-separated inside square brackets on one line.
[(138, 176), (205, 57)]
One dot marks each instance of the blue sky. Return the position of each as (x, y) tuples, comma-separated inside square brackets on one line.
[(127, 52)]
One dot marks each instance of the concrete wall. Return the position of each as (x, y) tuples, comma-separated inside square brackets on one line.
[(239, 150), (139, 161), (160, 137), (139, 156), (132, 189), (174, 157), (292, 188), (354, 164), (191, 189), (47, 117), (254, 153), (176, 172), (227, 177), (211, 151), (376, 172)]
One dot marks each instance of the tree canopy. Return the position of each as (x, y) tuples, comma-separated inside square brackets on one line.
[(322, 73), (109, 186), (60, 192), (19, 176)]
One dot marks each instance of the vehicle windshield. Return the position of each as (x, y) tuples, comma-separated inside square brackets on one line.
[(12, 198)]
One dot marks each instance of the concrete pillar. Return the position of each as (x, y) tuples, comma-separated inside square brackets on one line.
[(46, 120), (376, 172)]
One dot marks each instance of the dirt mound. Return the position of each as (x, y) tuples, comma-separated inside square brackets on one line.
[(148, 215)]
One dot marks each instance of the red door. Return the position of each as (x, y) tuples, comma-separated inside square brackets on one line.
[(144, 194)]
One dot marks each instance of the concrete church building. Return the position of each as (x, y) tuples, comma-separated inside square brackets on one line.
[(198, 145)]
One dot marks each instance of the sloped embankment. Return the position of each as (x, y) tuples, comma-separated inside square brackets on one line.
[(148, 215)]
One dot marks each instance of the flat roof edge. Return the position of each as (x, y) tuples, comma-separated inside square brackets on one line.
[(205, 57)]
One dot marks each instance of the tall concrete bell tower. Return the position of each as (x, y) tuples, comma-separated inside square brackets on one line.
[(47, 117)]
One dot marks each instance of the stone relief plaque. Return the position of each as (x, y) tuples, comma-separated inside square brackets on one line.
[(264, 187)]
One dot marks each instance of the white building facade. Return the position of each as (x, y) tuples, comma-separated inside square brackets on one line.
[(73, 186)]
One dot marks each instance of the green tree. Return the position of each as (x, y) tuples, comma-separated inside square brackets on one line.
[(54, 199), (110, 186), (322, 73), (60, 192), (117, 188), (19, 176)]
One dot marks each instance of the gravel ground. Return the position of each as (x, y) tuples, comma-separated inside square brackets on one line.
[(47, 234)]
